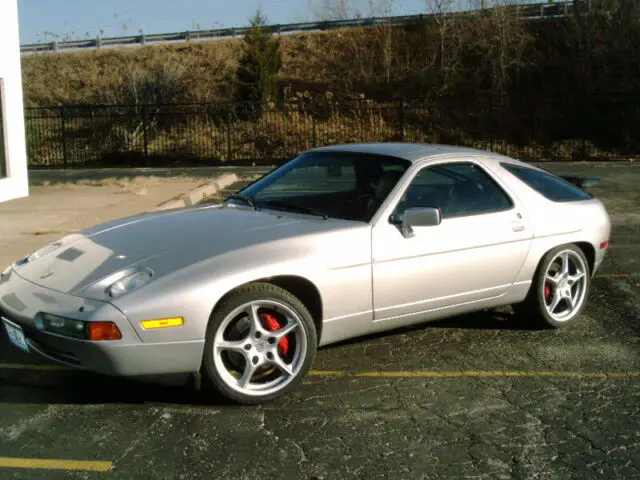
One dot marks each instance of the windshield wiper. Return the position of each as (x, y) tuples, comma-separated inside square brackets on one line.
[(299, 208), (244, 198)]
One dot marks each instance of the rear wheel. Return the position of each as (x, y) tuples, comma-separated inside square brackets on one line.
[(559, 290), (260, 343)]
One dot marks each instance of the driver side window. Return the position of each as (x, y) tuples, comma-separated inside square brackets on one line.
[(457, 189)]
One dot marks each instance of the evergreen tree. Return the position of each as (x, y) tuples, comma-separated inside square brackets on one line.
[(261, 61)]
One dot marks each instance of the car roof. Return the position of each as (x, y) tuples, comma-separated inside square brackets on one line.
[(412, 152)]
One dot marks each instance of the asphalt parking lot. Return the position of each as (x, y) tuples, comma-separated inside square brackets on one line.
[(476, 396)]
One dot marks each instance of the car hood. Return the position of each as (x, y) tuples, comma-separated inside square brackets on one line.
[(164, 242)]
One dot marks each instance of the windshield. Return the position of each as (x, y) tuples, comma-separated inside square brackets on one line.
[(344, 185)]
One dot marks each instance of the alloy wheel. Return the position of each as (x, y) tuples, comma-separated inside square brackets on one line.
[(260, 347), (565, 285)]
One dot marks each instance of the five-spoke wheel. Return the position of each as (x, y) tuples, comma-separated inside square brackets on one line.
[(565, 285), (261, 341), (559, 290)]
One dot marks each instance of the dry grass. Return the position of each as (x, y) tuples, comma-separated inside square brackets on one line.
[(339, 60), (90, 76), (347, 62)]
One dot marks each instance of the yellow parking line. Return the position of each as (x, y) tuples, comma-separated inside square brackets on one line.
[(613, 275), (38, 463), (401, 373), (433, 374), (18, 366)]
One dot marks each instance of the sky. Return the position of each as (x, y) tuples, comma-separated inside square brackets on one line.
[(49, 20)]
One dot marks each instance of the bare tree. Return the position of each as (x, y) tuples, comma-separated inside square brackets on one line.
[(359, 56), (141, 91), (347, 9), (442, 12), (500, 44), (162, 83)]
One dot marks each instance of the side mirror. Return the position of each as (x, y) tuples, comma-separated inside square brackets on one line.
[(419, 217)]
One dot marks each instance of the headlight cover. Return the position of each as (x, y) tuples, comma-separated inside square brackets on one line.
[(62, 326), (130, 283)]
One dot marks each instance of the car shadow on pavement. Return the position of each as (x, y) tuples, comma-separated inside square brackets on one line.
[(503, 319), (83, 388), (485, 320), (30, 378)]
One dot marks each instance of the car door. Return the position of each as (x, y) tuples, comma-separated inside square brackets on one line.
[(474, 254)]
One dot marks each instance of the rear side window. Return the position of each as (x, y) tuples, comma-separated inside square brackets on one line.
[(554, 188)]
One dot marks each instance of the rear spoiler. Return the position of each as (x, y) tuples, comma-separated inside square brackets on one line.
[(582, 182)]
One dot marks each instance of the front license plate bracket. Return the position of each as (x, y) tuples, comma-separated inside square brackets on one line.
[(16, 335)]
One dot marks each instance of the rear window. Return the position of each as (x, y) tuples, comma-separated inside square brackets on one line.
[(552, 187)]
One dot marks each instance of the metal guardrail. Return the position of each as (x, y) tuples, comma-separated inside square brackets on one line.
[(532, 11)]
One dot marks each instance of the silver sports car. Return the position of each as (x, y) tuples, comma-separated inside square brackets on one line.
[(339, 242)]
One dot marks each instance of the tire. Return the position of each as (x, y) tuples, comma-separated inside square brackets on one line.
[(261, 341), (553, 283)]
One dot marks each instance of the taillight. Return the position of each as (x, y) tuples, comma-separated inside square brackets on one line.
[(99, 331), (604, 244)]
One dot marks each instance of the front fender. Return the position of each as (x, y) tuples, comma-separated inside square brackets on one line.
[(339, 265)]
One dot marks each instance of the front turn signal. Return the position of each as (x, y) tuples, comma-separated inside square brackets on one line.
[(99, 331), (162, 323)]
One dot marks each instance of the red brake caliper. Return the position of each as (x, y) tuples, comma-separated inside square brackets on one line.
[(273, 325), (547, 290)]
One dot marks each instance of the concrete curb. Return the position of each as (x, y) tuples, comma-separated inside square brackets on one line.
[(200, 193)]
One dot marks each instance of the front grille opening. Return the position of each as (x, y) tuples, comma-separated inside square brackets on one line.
[(57, 355)]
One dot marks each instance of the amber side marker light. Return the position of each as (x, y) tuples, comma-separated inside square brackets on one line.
[(99, 331), (162, 323)]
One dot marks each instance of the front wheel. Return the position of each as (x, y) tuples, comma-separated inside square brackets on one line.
[(559, 290), (260, 343)]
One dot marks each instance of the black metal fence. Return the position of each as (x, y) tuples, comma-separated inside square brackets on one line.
[(602, 128)]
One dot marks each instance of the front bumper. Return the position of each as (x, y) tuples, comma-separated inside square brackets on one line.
[(599, 259), (21, 301)]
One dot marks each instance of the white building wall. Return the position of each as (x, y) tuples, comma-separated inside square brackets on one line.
[(16, 183)]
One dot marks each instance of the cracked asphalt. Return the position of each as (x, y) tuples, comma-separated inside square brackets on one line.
[(365, 412)]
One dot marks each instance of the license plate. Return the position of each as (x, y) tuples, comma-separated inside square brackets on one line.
[(16, 336)]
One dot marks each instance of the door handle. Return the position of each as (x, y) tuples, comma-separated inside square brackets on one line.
[(517, 225)]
